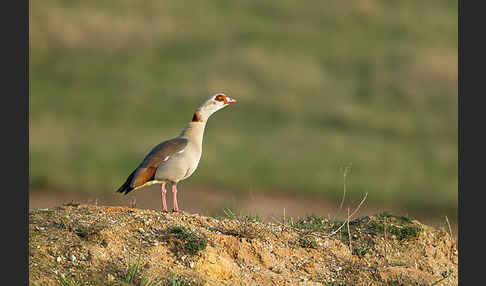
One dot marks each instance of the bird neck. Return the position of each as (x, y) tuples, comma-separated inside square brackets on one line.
[(194, 132)]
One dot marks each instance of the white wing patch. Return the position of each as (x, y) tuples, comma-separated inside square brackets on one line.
[(182, 150), (165, 159)]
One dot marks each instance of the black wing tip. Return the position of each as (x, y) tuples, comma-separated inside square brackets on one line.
[(126, 188)]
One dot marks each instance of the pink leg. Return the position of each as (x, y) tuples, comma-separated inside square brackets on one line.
[(174, 197), (163, 192)]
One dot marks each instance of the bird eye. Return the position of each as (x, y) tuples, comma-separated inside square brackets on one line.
[(220, 97)]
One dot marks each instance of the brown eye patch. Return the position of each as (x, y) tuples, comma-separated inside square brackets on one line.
[(221, 97)]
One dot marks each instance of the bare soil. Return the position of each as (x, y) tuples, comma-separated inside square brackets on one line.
[(110, 245)]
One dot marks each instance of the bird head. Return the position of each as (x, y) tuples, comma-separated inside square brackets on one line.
[(213, 104)]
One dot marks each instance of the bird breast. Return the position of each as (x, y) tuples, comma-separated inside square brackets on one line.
[(178, 166)]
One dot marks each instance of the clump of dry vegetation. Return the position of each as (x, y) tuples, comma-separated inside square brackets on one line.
[(99, 245)]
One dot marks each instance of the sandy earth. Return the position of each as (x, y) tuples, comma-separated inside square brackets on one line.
[(100, 244)]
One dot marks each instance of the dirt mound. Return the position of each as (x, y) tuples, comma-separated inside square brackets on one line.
[(81, 244)]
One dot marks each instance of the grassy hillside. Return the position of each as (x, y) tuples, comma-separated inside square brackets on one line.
[(101, 245), (371, 84)]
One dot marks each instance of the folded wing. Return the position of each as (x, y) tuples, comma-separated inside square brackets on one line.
[(145, 172)]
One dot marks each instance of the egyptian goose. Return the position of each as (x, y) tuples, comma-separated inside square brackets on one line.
[(175, 159)]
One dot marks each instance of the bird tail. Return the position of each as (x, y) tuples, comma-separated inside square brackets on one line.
[(126, 187)]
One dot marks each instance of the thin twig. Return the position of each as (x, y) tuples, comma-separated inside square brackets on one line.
[(349, 234), (344, 188), (284, 215), (384, 226), (449, 225), (354, 212)]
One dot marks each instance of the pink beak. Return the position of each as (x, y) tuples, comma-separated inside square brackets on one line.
[(230, 100)]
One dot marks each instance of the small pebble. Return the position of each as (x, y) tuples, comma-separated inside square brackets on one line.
[(110, 277)]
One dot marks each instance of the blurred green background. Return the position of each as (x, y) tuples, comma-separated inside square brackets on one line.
[(321, 85)]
